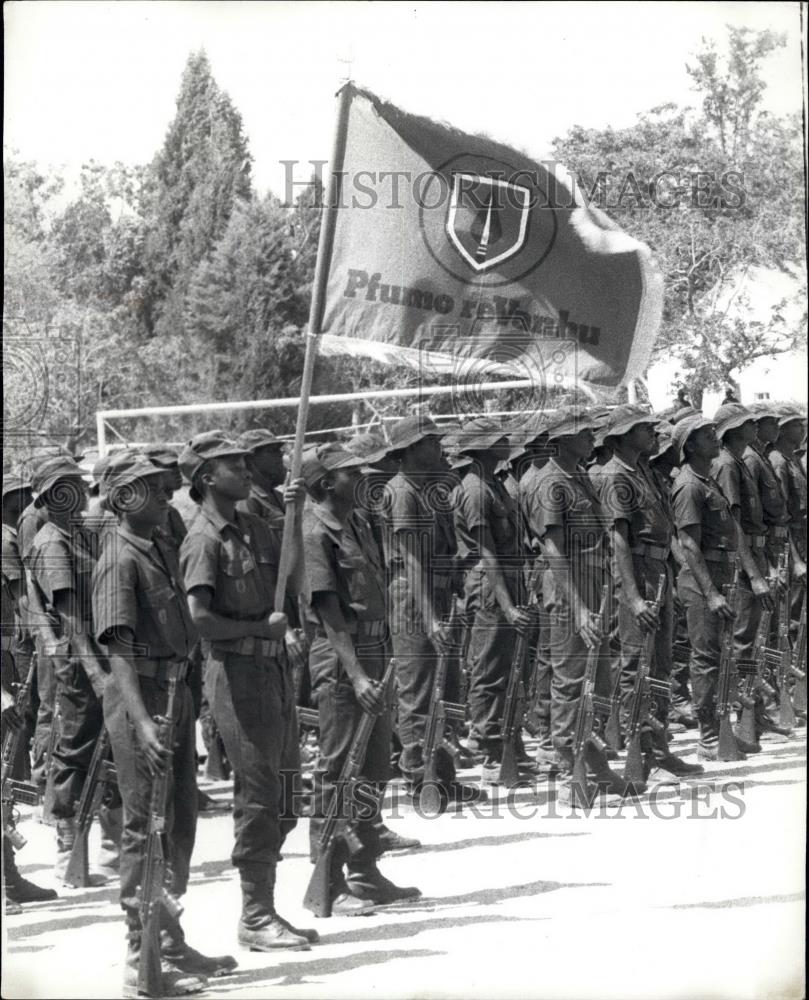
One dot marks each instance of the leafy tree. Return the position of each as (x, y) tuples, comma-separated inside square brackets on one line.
[(713, 194)]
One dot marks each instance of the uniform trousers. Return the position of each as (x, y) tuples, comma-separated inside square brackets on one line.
[(79, 728), (135, 787), (340, 713), (705, 631), (253, 705), (647, 574)]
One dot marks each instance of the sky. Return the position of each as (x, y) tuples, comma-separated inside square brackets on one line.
[(98, 80)]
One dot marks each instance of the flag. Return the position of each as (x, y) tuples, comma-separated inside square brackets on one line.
[(453, 253)]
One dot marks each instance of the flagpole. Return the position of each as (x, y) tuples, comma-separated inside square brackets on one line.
[(324, 250)]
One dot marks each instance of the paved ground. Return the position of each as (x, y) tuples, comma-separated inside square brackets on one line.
[(697, 894)]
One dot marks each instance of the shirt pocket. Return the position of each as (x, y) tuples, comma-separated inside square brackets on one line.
[(237, 566), (353, 569)]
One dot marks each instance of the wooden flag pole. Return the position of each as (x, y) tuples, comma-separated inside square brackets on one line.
[(328, 223)]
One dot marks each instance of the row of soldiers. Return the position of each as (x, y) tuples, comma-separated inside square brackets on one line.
[(567, 551)]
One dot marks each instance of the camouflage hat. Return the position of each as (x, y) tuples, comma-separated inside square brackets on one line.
[(324, 458), (97, 475), (410, 430), (683, 413), (259, 437), (685, 428), (211, 444), (160, 454), (789, 413), (368, 447), (128, 469), (13, 481), (569, 421), (729, 416), (665, 441), (623, 418), (51, 471), (479, 434), (764, 410)]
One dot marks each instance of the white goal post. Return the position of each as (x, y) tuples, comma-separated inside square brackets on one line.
[(103, 416)]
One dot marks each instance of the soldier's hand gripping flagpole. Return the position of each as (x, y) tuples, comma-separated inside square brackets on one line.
[(331, 200)]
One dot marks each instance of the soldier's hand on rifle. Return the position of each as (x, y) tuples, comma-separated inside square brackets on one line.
[(646, 615), (276, 625), (799, 572), (518, 617), (717, 605), (154, 751), (589, 627), (761, 589), (438, 632), (369, 694), (295, 647), (295, 491), (11, 717)]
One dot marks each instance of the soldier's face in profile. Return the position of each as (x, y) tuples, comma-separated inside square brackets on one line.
[(269, 463), (148, 502), (229, 476), (427, 454), (767, 430), (705, 443), (68, 495), (642, 438), (344, 484), (794, 433), (748, 432), (579, 445)]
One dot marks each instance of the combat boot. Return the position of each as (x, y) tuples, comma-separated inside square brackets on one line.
[(570, 793), (18, 889), (662, 757), (111, 823), (260, 929), (607, 781), (175, 948), (370, 884), (173, 982)]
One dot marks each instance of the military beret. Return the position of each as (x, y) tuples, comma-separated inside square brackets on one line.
[(324, 458), (259, 437)]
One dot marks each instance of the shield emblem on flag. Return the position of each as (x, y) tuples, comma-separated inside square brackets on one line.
[(487, 219)]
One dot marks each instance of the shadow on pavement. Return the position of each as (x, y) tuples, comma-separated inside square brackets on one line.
[(298, 973)]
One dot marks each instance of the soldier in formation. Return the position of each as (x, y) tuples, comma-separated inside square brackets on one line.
[(449, 552)]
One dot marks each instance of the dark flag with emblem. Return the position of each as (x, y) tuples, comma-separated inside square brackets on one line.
[(450, 246)]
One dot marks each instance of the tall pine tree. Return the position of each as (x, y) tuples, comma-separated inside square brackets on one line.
[(201, 172)]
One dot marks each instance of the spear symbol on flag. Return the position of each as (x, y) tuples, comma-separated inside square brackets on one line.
[(486, 228)]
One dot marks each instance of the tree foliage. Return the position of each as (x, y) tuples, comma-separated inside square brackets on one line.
[(175, 282), (713, 193)]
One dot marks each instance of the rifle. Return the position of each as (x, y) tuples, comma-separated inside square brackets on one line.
[(592, 709), (644, 690), (100, 774), (509, 775), (308, 718), (337, 821), (14, 791), (153, 893), (752, 672), (798, 665), (728, 749), (781, 659), (440, 713)]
